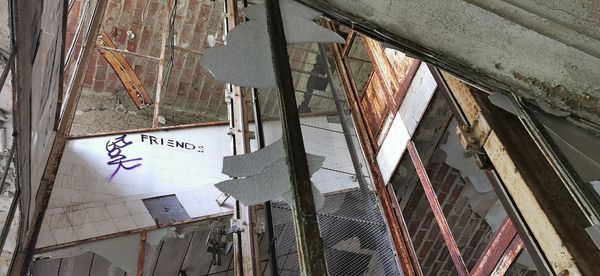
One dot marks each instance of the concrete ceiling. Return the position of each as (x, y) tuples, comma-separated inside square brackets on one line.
[(545, 51)]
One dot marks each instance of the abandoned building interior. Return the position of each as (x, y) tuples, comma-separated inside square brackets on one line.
[(299, 137)]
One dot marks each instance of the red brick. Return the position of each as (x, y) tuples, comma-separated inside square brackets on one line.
[(132, 45), (99, 86), (456, 193), (120, 36), (153, 8), (184, 88), (74, 12), (129, 5), (101, 71), (441, 172), (449, 181)]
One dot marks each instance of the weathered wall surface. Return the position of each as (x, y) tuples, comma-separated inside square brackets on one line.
[(543, 50)]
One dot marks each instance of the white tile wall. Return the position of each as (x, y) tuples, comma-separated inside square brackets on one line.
[(85, 204)]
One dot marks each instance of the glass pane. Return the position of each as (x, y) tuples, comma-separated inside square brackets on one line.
[(359, 64)]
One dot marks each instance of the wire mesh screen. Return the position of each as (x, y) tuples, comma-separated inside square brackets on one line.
[(354, 234)]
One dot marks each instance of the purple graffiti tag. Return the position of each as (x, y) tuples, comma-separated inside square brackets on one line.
[(113, 148)]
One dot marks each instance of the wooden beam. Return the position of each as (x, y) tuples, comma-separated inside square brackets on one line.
[(161, 63), (24, 256), (128, 77)]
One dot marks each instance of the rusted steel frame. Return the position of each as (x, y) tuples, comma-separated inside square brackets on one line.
[(27, 248), (400, 237), (161, 63), (348, 44), (466, 113), (142, 253), (8, 66), (129, 232), (509, 256), (405, 84), (381, 65), (140, 130), (407, 239), (357, 166), (311, 259), (459, 263), (446, 92), (246, 247), (495, 249), (126, 52)]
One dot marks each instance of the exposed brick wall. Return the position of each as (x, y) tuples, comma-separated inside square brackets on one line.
[(190, 88), (470, 231)]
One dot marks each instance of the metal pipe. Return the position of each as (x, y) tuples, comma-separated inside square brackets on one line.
[(260, 140), (161, 64), (311, 260), (459, 263), (127, 52)]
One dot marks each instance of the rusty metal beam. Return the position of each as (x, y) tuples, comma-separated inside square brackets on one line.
[(128, 77), (161, 63), (311, 259), (509, 256), (27, 248), (245, 243), (142, 253), (397, 227), (459, 263), (495, 249)]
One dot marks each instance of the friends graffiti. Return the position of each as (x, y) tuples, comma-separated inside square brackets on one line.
[(153, 140), (115, 153)]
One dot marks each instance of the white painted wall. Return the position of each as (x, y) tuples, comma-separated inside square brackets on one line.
[(405, 122), (85, 203)]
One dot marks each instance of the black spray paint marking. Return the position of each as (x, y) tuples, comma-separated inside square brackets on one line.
[(153, 140), (113, 148)]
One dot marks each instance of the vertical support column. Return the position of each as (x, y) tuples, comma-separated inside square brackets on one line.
[(246, 257), (311, 259), (161, 63)]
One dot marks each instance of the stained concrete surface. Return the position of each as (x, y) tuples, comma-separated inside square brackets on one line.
[(546, 51)]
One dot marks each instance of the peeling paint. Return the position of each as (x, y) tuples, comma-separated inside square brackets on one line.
[(572, 100)]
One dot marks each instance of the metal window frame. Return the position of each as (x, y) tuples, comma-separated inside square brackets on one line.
[(501, 251)]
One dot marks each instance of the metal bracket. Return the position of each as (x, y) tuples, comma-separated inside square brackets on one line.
[(237, 226)]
